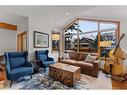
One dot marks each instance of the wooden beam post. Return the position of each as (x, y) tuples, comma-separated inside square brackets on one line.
[(8, 26)]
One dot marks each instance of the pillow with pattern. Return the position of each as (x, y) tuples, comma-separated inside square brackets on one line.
[(66, 56), (90, 58)]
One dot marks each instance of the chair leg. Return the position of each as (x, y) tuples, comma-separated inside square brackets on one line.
[(11, 83), (44, 70), (31, 76)]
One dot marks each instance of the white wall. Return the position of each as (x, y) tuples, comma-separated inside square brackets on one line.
[(41, 25), (123, 26), (23, 26), (7, 40)]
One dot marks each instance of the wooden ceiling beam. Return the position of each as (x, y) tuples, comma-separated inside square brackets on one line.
[(8, 26)]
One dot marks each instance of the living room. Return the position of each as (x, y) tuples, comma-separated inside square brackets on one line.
[(55, 31)]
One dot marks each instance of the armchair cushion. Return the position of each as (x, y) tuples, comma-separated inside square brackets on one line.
[(18, 72), (16, 62), (48, 62), (29, 64), (43, 57)]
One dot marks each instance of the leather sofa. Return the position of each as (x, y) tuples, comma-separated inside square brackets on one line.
[(77, 59)]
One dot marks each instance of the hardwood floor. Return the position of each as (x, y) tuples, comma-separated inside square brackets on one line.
[(116, 85)]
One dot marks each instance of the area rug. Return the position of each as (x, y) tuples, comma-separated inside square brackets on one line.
[(43, 81)]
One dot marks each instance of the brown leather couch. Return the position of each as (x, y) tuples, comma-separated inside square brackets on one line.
[(77, 59)]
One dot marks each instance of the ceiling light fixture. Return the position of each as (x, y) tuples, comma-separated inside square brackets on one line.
[(67, 13)]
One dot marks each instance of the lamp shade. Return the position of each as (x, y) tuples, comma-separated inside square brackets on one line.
[(55, 36), (105, 43)]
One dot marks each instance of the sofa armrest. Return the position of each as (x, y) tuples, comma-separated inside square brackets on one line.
[(50, 59), (97, 61), (96, 64)]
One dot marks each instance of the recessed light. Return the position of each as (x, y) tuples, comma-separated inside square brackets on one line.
[(67, 13)]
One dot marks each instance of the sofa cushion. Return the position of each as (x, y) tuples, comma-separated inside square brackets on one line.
[(68, 61), (85, 65), (90, 58), (73, 55), (82, 57)]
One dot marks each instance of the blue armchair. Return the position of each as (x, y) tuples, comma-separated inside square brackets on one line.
[(17, 65), (42, 55)]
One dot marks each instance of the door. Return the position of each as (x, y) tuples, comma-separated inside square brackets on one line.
[(22, 41)]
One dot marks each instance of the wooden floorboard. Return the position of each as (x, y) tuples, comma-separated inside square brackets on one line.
[(116, 85)]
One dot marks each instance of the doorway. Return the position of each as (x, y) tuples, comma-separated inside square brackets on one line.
[(22, 41)]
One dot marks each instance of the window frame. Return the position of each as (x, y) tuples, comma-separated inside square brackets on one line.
[(99, 31)]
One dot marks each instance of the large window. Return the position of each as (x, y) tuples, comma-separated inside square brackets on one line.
[(88, 42), (71, 42), (85, 35), (86, 26)]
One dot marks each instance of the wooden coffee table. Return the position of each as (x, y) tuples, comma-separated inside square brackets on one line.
[(65, 73)]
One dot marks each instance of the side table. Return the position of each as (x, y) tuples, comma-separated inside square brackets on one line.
[(3, 79), (37, 65)]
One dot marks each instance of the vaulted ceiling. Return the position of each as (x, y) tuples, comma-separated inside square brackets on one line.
[(60, 14), (47, 13)]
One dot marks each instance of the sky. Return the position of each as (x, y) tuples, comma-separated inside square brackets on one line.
[(86, 26)]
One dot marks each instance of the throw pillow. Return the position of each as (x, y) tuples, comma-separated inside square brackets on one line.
[(74, 55), (90, 58), (66, 56), (82, 57)]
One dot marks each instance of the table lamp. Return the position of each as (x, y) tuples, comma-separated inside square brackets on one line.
[(105, 44)]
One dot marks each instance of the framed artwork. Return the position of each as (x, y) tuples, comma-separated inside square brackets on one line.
[(55, 41), (41, 40)]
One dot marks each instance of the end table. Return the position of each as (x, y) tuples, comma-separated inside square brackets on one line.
[(37, 65)]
